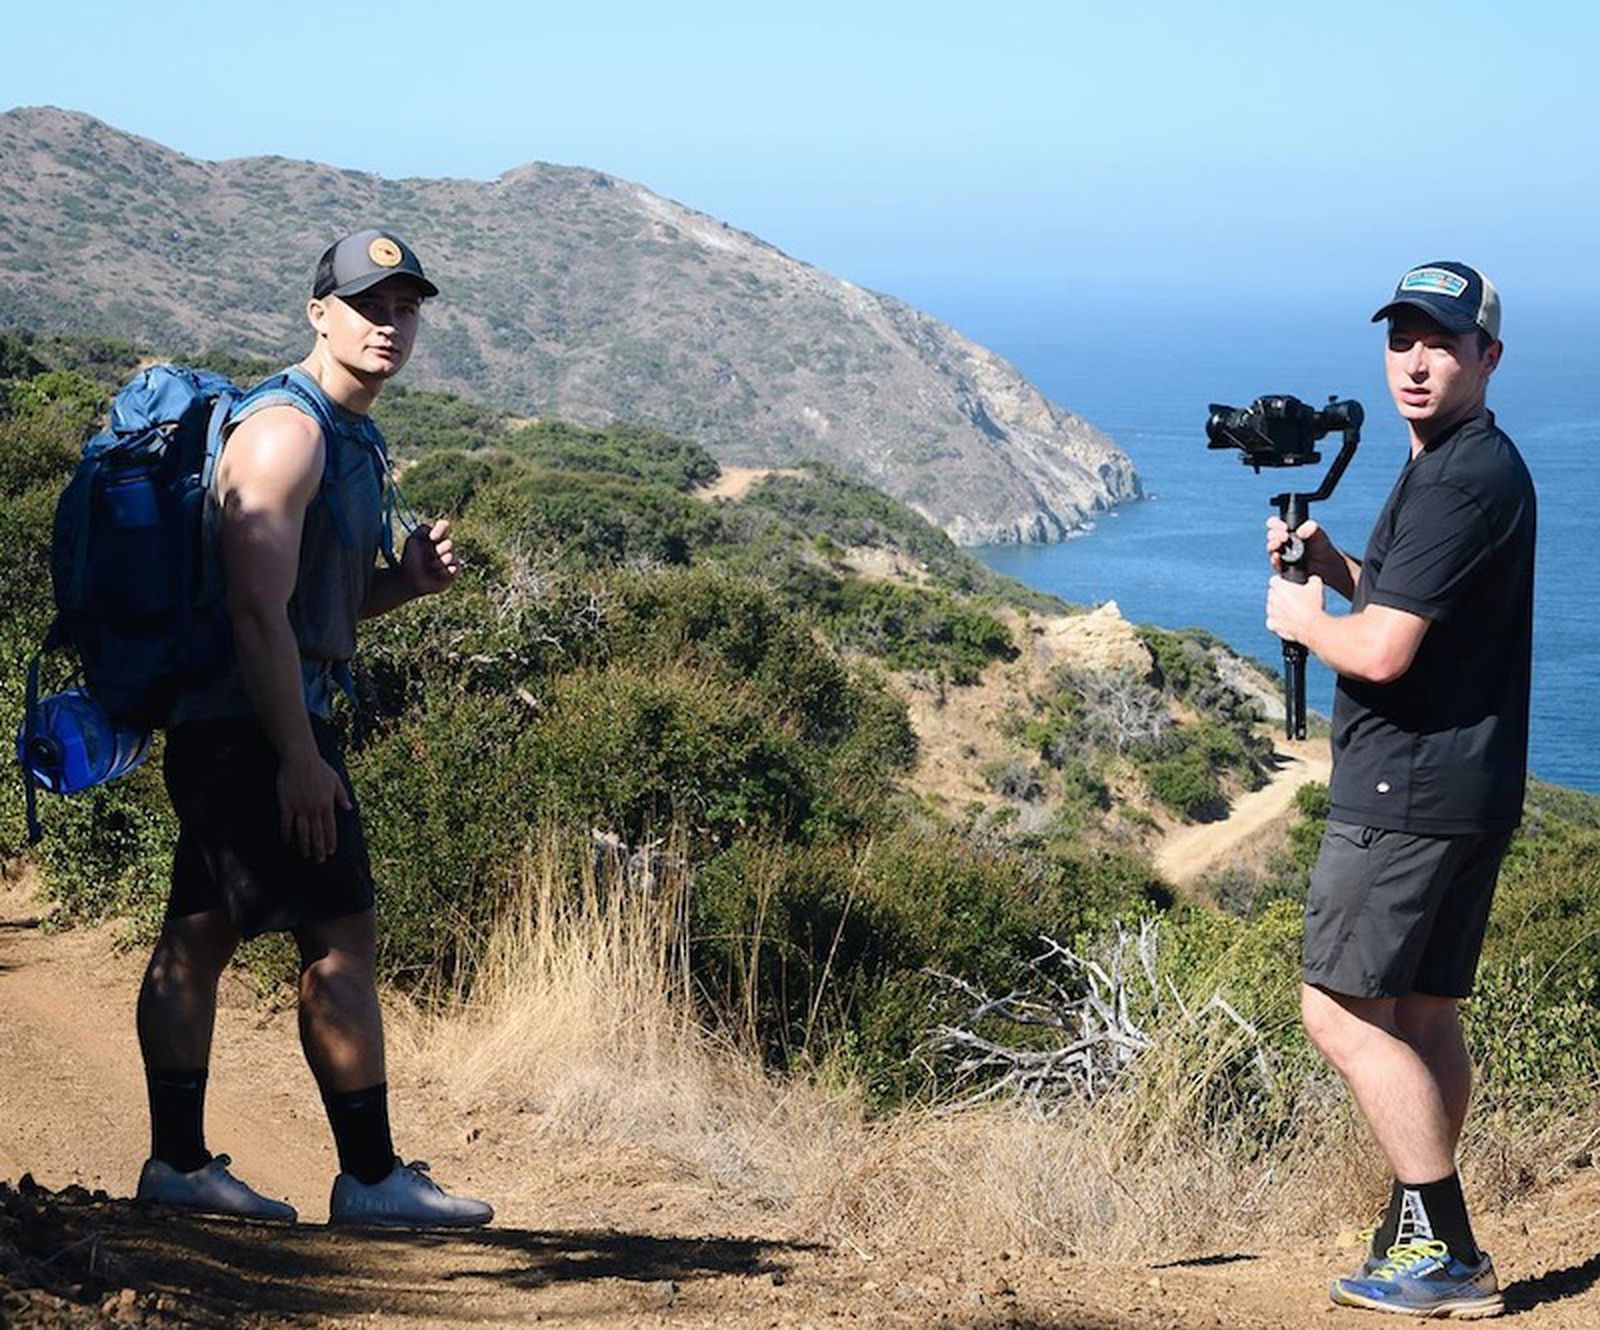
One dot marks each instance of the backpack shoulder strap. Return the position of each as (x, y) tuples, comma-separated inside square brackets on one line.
[(369, 438), (30, 782), (286, 388)]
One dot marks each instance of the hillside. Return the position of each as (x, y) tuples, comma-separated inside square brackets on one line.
[(568, 293), (732, 1205), (800, 674), (723, 825)]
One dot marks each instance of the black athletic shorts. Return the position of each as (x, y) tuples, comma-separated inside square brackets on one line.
[(1390, 913), (222, 777)]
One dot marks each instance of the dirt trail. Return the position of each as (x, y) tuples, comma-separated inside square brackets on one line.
[(582, 1237), (737, 481), (1190, 852)]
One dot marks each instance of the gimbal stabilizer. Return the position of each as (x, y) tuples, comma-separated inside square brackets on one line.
[(1279, 431)]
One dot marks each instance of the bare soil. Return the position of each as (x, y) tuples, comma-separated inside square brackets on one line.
[(584, 1236), (1189, 852), (737, 481)]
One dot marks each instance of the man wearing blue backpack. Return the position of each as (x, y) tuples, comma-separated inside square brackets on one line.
[(297, 510)]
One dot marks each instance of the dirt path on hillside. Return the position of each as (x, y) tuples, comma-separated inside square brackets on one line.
[(736, 481), (1188, 853), (583, 1237)]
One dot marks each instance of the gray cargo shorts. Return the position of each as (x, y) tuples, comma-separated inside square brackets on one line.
[(1390, 913)]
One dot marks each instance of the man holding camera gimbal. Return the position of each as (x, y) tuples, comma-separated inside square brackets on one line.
[(1430, 735)]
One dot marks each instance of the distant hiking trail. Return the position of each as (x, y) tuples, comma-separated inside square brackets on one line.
[(1189, 852), (735, 482), (584, 1236)]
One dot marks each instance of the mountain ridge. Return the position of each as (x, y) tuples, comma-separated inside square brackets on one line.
[(568, 292)]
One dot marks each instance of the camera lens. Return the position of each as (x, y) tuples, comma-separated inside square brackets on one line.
[(1218, 424)]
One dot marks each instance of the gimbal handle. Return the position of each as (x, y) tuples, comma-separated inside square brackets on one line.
[(1295, 510)]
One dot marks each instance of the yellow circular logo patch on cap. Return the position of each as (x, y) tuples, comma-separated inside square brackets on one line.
[(384, 252)]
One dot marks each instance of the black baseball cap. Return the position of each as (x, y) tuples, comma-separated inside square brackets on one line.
[(364, 259), (1454, 295)]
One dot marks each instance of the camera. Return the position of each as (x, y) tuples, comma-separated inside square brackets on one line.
[(1279, 430)]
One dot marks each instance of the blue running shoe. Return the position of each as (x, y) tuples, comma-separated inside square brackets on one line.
[(1423, 1279)]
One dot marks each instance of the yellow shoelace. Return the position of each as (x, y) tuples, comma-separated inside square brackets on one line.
[(1405, 1256)]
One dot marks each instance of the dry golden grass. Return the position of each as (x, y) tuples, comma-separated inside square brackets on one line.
[(583, 1007)]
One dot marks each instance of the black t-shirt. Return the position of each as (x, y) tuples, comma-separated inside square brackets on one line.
[(1443, 750)]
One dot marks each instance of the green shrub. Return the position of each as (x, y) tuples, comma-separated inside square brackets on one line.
[(443, 483), (71, 402), (742, 630), (1531, 1030), (448, 795), (416, 421), (596, 520), (1534, 1020), (1182, 662), (848, 512), (631, 750), (1186, 784), (915, 628), (825, 948), (107, 852), (856, 785), (39, 447), (1186, 667), (27, 604), (633, 451), (17, 358)]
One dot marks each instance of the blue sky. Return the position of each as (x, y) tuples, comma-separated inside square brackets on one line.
[(957, 154)]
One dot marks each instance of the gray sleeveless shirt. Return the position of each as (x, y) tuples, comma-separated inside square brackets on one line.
[(343, 532)]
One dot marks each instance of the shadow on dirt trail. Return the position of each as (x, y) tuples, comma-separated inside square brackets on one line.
[(1557, 1285), (166, 1268)]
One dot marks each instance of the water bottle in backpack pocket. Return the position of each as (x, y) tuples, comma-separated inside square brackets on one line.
[(72, 744), (134, 565)]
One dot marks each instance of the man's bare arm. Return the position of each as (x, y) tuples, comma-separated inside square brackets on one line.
[(1376, 644), (270, 473)]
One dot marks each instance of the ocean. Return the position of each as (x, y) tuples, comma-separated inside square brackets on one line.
[(1191, 554)]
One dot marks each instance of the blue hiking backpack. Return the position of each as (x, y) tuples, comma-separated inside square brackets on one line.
[(127, 565)]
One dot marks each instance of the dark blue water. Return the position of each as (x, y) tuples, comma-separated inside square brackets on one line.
[(1192, 554)]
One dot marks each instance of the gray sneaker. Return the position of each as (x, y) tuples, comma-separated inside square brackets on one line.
[(407, 1198), (209, 1190)]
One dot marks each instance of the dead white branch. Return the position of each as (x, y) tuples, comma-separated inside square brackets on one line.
[(1090, 1001)]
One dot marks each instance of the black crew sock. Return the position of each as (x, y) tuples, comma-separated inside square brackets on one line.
[(1384, 1236), (360, 1122), (177, 1116), (1425, 1210), (1446, 1209)]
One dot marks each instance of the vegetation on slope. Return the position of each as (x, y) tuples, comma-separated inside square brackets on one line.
[(708, 690)]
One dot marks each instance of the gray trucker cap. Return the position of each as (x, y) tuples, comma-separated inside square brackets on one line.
[(364, 259)]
